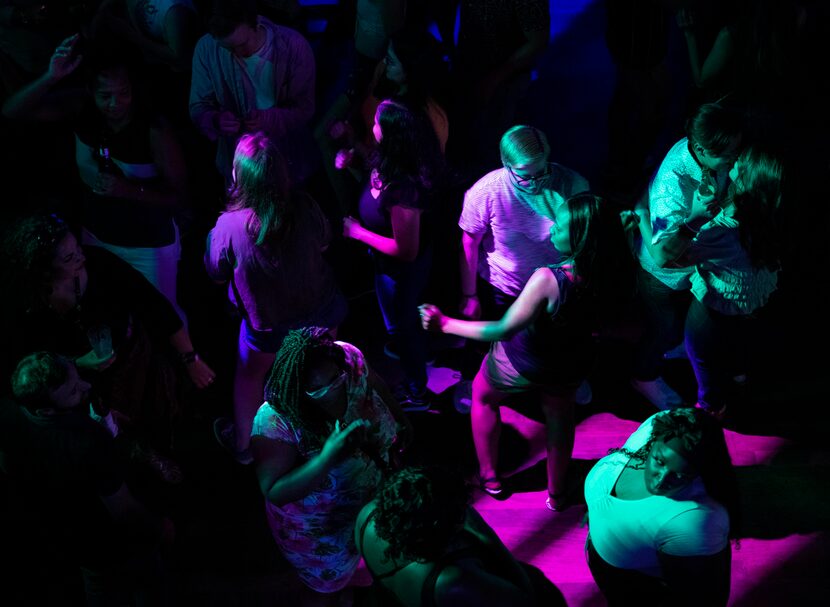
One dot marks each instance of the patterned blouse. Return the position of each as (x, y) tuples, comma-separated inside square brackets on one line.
[(316, 533)]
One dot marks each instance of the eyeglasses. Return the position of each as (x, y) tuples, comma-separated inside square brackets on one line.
[(324, 390), (526, 181)]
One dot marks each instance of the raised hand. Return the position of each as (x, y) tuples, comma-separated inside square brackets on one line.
[(343, 439), (64, 61)]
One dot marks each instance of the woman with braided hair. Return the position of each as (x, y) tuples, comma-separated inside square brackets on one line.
[(321, 442)]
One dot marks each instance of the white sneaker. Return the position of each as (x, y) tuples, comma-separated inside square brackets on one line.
[(658, 393), (584, 394)]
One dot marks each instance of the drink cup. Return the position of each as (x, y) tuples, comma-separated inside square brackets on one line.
[(100, 338)]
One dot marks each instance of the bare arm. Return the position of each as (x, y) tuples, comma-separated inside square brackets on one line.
[(541, 290), (280, 481), (468, 270), (406, 227), (704, 70), (198, 370), (38, 100)]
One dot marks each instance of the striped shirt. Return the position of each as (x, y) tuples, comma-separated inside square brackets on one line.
[(515, 236)]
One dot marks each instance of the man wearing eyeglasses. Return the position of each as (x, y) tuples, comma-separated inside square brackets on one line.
[(506, 221)]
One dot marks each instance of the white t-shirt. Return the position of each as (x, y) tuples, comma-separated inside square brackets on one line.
[(670, 197), (515, 236), (629, 533)]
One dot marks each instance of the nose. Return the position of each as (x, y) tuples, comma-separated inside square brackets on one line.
[(660, 479)]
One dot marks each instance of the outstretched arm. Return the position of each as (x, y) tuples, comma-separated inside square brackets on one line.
[(38, 100), (406, 226), (541, 290)]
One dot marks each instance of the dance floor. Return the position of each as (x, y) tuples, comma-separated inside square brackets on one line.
[(781, 561)]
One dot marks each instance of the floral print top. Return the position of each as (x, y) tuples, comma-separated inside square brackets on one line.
[(315, 533)]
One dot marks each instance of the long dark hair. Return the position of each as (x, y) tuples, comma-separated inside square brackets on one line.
[(702, 437), (600, 255), (30, 246), (261, 183), (409, 148), (756, 194), (301, 350)]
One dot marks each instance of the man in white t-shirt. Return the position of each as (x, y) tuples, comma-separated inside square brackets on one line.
[(506, 220)]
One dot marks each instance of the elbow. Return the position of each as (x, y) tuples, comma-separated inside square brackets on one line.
[(278, 498)]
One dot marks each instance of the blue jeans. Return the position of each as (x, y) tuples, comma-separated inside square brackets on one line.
[(399, 287), (717, 348)]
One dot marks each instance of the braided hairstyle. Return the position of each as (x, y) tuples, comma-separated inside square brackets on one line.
[(301, 350), (419, 510), (701, 437)]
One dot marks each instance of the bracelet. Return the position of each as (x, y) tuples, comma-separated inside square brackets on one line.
[(188, 358)]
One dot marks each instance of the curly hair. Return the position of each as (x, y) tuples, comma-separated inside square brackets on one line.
[(261, 183), (301, 350), (702, 440), (409, 147), (419, 509), (30, 247)]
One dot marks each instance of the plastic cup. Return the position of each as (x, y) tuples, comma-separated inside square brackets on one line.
[(100, 338)]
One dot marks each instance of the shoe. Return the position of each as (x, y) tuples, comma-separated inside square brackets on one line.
[(411, 399), (658, 393), (223, 430), (557, 503), (584, 394), (491, 486)]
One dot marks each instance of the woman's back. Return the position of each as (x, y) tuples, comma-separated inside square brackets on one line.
[(466, 574), (279, 282)]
